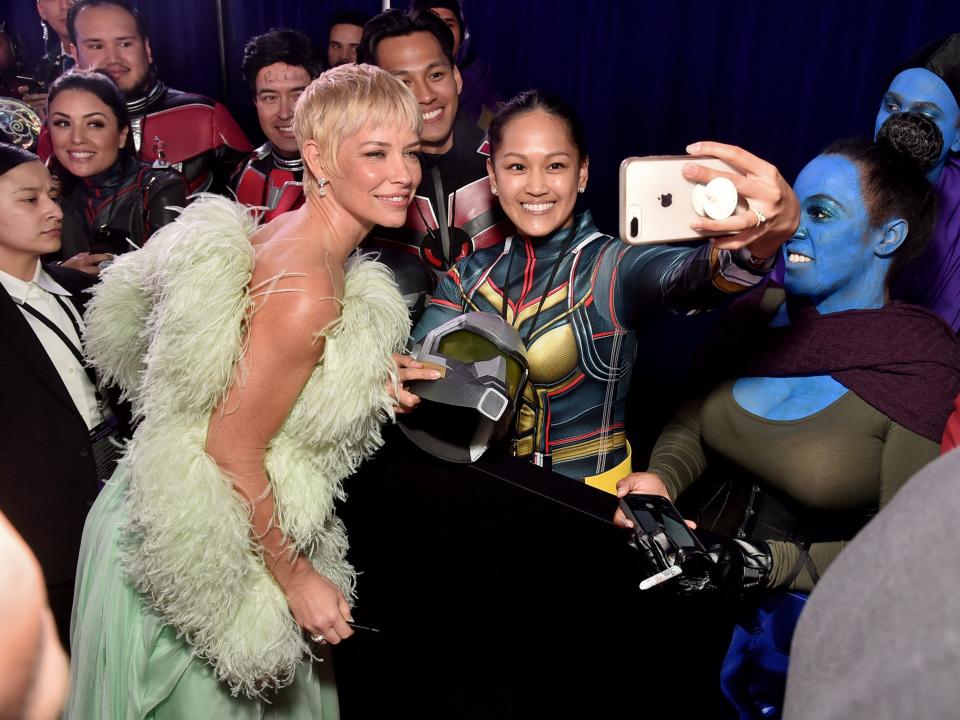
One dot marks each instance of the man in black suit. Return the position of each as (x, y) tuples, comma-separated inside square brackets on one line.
[(50, 407)]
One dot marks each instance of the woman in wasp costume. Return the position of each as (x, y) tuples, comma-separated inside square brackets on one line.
[(576, 295)]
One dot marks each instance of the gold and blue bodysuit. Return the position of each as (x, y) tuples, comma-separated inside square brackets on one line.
[(576, 298)]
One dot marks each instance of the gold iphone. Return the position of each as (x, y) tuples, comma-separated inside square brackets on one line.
[(657, 204)]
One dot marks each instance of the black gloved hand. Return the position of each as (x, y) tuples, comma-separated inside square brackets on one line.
[(741, 565), (658, 554)]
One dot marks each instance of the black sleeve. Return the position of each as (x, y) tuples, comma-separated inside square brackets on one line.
[(225, 168), (163, 193)]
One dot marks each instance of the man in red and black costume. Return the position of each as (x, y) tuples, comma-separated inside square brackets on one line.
[(191, 132), (454, 213), (277, 66)]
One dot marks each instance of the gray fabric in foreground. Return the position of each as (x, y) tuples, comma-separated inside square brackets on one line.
[(880, 636)]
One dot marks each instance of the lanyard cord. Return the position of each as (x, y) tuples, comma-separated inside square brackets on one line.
[(71, 346), (442, 221), (506, 289), (536, 317), (546, 289)]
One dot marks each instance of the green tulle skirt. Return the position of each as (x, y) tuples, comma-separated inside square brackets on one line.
[(127, 664)]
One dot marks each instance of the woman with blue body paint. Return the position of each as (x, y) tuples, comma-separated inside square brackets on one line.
[(829, 399)]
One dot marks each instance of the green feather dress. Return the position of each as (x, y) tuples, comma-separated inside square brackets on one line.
[(175, 614)]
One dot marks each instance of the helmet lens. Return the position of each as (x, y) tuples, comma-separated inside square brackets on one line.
[(469, 347)]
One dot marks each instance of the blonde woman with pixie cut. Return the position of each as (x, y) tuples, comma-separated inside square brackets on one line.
[(212, 573)]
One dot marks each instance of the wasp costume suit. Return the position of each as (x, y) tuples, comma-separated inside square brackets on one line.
[(576, 298)]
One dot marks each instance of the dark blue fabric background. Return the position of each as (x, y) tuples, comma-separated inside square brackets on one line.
[(781, 79)]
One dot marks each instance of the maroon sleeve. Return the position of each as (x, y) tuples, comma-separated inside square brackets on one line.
[(229, 131), (951, 434)]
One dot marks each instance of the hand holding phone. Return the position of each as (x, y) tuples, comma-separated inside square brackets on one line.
[(774, 213), (667, 547)]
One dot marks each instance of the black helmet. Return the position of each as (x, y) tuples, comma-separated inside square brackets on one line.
[(483, 367)]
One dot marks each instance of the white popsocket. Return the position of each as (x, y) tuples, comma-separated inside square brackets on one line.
[(717, 199)]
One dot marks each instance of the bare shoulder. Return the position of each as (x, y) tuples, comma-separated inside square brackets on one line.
[(296, 287)]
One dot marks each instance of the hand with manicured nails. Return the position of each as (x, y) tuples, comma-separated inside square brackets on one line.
[(408, 370), (764, 188)]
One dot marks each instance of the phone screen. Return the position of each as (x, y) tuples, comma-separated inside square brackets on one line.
[(652, 513)]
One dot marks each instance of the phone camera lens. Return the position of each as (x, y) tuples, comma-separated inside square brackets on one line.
[(634, 227)]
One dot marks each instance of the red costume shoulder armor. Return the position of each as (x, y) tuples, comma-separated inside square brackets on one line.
[(186, 131), (270, 182)]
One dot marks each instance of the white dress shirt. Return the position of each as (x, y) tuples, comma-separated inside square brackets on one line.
[(39, 294)]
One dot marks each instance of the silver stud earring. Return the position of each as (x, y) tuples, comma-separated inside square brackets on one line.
[(322, 181), (581, 189), (493, 190)]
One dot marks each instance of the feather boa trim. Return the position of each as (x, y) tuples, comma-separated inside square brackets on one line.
[(167, 324)]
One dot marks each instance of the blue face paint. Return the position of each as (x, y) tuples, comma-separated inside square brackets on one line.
[(836, 260), (831, 258), (920, 90)]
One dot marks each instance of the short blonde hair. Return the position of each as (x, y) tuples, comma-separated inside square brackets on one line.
[(343, 100)]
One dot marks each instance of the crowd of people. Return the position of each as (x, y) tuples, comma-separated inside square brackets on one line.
[(195, 357)]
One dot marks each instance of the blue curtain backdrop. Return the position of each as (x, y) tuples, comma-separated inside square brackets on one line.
[(781, 79)]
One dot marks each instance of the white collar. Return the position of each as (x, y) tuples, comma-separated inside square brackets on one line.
[(19, 290)]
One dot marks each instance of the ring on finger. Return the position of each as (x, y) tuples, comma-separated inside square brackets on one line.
[(319, 639), (761, 218)]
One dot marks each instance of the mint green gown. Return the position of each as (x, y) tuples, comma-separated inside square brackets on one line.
[(133, 666)]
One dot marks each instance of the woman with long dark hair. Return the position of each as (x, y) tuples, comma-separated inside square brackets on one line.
[(112, 202)]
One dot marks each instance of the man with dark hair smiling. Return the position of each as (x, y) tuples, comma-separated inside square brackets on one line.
[(478, 97), (454, 212), (277, 67), (191, 132)]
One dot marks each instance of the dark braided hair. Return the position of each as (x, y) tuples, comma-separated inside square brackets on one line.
[(892, 176), (914, 135)]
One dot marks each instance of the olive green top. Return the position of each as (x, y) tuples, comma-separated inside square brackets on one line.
[(847, 457)]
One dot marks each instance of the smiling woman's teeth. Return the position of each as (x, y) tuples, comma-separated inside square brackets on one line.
[(798, 258), (537, 207), (432, 115)]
